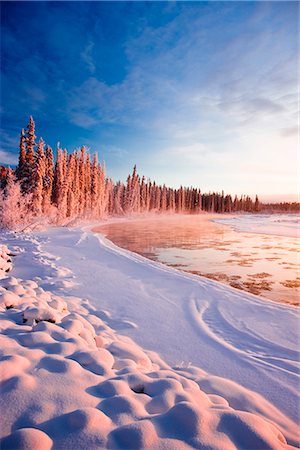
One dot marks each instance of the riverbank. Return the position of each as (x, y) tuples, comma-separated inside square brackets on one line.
[(232, 346), (235, 250)]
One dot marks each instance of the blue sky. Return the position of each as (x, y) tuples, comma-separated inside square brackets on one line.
[(194, 93)]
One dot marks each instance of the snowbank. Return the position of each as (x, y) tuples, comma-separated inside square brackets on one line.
[(275, 224), (69, 380)]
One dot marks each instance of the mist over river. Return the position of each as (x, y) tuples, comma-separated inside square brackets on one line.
[(256, 253)]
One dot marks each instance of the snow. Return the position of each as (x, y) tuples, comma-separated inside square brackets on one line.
[(276, 224), (5, 261), (102, 348)]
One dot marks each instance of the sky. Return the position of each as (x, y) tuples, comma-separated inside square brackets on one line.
[(193, 93)]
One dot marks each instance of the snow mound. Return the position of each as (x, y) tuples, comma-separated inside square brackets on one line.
[(5, 261), (27, 439), (69, 381)]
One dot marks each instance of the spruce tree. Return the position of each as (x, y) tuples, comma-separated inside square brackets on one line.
[(256, 204), (87, 193), (94, 189), (81, 180), (69, 186), (28, 183), (38, 190), (58, 179), (48, 179)]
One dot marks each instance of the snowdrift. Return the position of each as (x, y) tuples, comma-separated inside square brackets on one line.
[(69, 380)]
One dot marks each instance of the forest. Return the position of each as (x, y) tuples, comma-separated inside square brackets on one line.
[(74, 185)]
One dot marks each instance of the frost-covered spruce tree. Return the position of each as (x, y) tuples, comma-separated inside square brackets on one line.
[(152, 187), (164, 199), (148, 189), (94, 188), (98, 189), (135, 191), (256, 204), (59, 185), (87, 191), (102, 197), (48, 180), (172, 200), (128, 195), (143, 195), (158, 198), (14, 205), (63, 196), (69, 186), (28, 178), (81, 181), (118, 198), (109, 193), (75, 185), (38, 190), (179, 200), (199, 200)]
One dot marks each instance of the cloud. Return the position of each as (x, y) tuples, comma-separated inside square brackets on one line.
[(87, 57), (186, 79), (82, 119), (290, 131), (36, 95), (185, 154), (195, 86), (8, 158), (113, 150), (9, 147)]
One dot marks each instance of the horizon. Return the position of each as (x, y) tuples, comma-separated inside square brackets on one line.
[(201, 94)]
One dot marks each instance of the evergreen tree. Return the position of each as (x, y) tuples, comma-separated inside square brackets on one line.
[(94, 183), (69, 186), (87, 193), (135, 191), (14, 204), (58, 181), (38, 190), (81, 180), (48, 180), (30, 162), (256, 205), (164, 199), (128, 200)]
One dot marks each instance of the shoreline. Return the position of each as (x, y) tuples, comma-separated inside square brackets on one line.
[(63, 336), (214, 234), (123, 279)]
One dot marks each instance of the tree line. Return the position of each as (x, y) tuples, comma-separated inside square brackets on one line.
[(281, 207), (74, 185)]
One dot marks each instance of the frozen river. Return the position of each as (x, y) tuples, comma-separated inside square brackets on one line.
[(256, 259)]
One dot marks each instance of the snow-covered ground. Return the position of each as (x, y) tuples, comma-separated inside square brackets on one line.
[(80, 342), (277, 224)]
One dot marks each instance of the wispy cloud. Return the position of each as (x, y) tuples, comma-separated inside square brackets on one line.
[(8, 158), (177, 85), (9, 148), (201, 84), (113, 150), (290, 131), (87, 57)]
